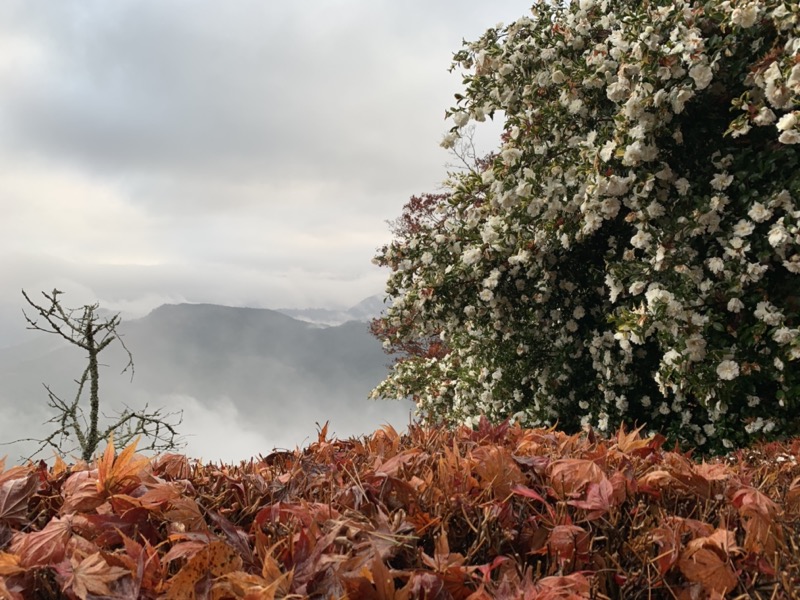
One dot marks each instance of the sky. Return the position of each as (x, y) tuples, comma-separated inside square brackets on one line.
[(245, 153)]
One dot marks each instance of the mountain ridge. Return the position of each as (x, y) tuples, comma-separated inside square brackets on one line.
[(255, 373)]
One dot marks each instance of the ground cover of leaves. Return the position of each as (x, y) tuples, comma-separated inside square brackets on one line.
[(497, 512)]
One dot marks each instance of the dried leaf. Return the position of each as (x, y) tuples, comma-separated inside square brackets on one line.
[(393, 465), (568, 542), (668, 541), (632, 443), (683, 470), (599, 499), (92, 575), (759, 515), (497, 470), (570, 475), (117, 474), (565, 587), (705, 566), (14, 496), (9, 565), (80, 493), (215, 560), (43, 547)]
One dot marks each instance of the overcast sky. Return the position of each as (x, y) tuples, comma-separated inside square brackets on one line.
[(246, 153)]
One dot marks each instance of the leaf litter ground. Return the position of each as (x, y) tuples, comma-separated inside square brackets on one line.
[(497, 512)]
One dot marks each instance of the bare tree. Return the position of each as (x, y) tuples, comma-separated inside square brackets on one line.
[(84, 328)]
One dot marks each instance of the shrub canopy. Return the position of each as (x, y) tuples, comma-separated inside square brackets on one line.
[(631, 251)]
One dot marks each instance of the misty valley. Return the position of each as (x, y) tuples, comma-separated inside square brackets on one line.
[(247, 380)]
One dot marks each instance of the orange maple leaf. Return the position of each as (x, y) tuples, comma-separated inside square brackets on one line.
[(113, 474), (497, 470), (9, 565), (214, 560)]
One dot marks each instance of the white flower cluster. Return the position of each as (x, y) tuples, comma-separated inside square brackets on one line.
[(631, 252)]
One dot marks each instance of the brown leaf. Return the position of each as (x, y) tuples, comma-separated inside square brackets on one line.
[(239, 584), (92, 575), (43, 547), (758, 513), (793, 495), (497, 470), (570, 475), (394, 464), (568, 542), (683, 470), (14, 496), (566, 587), (599, 499), (215, 560), (632, 443), (668, 541), (80, 493), (705, 566)]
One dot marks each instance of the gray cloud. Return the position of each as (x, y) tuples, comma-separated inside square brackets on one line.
[(243, 153)]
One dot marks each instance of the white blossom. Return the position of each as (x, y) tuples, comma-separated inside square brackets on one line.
[(735, 305), (702, 75), (745, 16), (727, 370), (471, 256), (759, 213)]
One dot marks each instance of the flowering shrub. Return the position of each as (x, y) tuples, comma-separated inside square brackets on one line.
[(631, 252)]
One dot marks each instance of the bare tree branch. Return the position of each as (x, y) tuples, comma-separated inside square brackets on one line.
[(85, 329)]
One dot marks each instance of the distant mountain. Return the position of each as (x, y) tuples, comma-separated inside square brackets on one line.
[(364, 311), (248, 379)]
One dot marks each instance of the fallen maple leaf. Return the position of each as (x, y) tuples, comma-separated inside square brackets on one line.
[(668, 540), (632, 443), (92, 575), (215, 560), (43, 547), (705, 566), (497, 470), (14, 496), (9, 565), (569, 475), (568, 542), (117, 474), (575, 585), (758, 513), (599, 499)]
